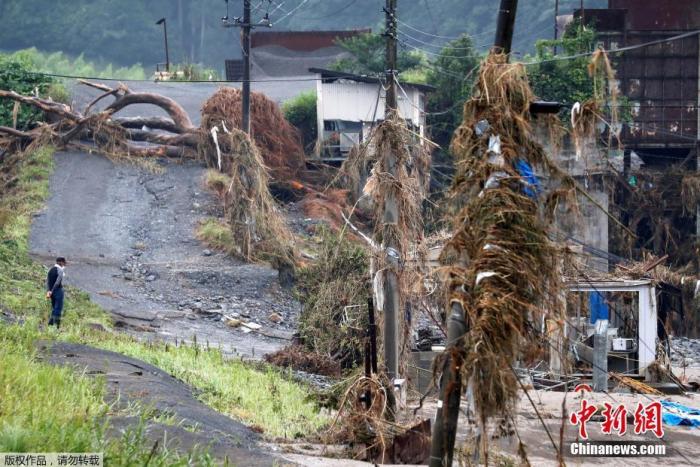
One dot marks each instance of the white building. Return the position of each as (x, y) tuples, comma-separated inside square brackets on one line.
[(347, 106)]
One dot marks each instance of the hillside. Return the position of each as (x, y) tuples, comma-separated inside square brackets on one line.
[(116, 32)]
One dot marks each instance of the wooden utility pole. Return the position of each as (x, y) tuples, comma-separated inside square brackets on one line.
[(392, 296), (450, 392), (245, 25)]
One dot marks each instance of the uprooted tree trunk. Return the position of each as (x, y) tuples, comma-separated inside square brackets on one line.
[(250, 210)]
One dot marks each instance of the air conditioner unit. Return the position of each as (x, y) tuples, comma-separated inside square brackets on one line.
[(623, 344)]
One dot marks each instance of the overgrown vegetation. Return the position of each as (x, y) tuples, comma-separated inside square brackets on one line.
[(192, 72), (262, 397), (453, 74), (15, 76), (62, 64), (301, 112), (334, 290), (368, 58), (46, 408)]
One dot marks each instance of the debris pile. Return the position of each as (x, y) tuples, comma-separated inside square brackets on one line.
[(502, 267), (334, 291), (252, 214), (278, 141), (299, 358)]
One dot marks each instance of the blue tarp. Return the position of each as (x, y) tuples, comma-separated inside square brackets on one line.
[(675, 414), (526, 172), (599, 309)]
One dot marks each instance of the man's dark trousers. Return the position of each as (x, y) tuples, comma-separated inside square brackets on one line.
[(56, 307)]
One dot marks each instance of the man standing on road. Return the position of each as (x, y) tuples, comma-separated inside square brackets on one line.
[(54, 290)]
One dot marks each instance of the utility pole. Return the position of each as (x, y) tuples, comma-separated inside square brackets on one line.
[(450, 392), (390, 34), (245, 26), (505, 26), (392, 297), (245, 31), (556, 14)]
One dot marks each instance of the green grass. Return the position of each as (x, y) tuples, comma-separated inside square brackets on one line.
[(259, 396), (46, 408), (216, 234)]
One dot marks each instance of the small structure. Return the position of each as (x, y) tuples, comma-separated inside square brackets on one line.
[(628, 309), (348, 106)]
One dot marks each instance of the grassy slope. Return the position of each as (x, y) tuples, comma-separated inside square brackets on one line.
[(260, 397)]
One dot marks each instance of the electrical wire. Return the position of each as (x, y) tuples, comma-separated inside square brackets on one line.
[(438, 46), (336, 12), (423, 32), (292, 11), (435, 54), (616, 51)]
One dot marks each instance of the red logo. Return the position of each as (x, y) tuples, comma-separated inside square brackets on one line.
[(582, 416), (646, 418)]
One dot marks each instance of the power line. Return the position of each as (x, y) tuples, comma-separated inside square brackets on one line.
[(430, 52), (437, 35), (444, 46), (292, 11), (339, 10), (616, 51)]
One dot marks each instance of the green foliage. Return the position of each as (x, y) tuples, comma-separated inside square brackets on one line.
[(333, 291), (262, 397), (216, 234), (61, 64), (453, 74), (368, 57), (15, 76), (47, 408), (565, 81), (192, 72), (301, 112)]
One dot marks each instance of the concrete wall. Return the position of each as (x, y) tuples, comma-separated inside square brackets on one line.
[(585, 224)]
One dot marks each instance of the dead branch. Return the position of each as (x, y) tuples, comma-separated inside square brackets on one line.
[(45, 105), (176, 112), (151, 123), (16, 133), (190, 139)]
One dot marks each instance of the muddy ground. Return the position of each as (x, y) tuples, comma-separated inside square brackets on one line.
[(129, 236)]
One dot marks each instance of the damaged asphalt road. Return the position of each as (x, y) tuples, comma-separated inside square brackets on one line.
[(128, 234), (129, 380)]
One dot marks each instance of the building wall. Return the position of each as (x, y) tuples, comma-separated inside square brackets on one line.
[(660, 80), (353, 101)]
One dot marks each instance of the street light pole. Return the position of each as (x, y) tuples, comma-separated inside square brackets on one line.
[(165, 33)]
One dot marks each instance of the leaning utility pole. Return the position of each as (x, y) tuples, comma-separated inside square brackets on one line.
[(245, 26), (450, 392), (392, 296)]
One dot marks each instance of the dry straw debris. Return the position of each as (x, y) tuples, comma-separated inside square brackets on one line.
[(278, 141), (251, 212), (502, 267)]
